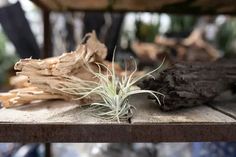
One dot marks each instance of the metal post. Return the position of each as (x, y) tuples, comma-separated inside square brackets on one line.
[(48, 152), (47, 49)]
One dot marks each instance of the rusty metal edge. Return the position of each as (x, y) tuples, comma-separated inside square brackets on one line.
[(116, 133)]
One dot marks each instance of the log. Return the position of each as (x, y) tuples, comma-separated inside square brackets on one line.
[(190, 84)]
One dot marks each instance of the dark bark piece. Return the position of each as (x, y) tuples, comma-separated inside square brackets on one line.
[(190, 84)]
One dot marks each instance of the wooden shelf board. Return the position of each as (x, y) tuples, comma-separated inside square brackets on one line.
[(59, 121)]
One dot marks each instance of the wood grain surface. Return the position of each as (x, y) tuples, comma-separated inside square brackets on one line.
[(58, 121)]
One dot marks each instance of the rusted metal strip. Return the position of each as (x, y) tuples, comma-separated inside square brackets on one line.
[(117, 133)]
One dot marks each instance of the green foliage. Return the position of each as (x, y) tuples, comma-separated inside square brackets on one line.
[(226, 37), (6, 61), (182, 23), (146, 32), (2, 45)]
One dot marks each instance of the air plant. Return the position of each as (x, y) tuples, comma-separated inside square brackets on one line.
[(113, 90)]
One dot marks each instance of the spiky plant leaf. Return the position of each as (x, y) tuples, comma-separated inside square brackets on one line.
[(113, 90)]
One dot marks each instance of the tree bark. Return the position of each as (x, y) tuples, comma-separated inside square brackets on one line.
[(190, 84)]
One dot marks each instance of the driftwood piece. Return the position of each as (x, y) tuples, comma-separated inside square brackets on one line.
[(192, 48), (25, 95), (45, 76), (46, 79), (190, 84), (19, 81)]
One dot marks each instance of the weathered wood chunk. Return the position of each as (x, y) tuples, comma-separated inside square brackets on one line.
[(190, 84)]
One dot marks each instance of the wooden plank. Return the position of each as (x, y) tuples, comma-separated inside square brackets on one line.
[(58, 121), (226, 105), (200, 123), (149, 112), (61, 5), (169, 6), (49, 112)]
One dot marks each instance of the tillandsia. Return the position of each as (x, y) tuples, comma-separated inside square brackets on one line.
[(113, 90)]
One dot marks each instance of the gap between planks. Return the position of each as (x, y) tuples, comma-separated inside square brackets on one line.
[(226, 104), (148, 113)]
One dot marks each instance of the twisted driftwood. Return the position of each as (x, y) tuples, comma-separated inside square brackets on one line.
[(41, 79)]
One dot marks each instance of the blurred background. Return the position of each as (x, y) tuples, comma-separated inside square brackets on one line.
[(27, 30)]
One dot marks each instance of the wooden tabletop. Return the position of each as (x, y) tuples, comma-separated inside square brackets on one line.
[(59, 121)]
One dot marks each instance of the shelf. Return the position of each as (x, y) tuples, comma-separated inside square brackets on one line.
[(58, 121), (168, 6)]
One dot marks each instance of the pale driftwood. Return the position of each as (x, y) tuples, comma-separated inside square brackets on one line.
[(192, 48), (44, 76), (19, 81), (62, 77), (147, 52), (25, 96)]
